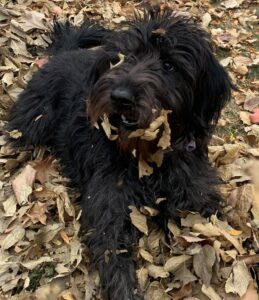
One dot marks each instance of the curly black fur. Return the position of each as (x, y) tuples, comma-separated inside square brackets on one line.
[(168, 64)]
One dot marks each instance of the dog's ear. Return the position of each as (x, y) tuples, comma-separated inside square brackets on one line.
[(213, 89)]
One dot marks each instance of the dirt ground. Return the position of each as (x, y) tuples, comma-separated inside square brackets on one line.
[(41, 256)]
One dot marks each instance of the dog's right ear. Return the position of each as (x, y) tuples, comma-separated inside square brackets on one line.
[(213, 89)]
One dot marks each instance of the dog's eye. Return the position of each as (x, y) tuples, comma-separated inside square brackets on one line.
[(168, 66)]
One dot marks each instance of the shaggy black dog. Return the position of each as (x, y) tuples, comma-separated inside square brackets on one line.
[(167, 64)]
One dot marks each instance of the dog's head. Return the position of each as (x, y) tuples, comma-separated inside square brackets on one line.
[(166, 62)]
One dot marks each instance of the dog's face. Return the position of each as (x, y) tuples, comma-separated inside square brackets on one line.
[(166, 63)]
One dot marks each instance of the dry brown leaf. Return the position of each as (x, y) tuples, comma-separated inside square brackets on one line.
[(245, 117), (15, 134), (32, 264), (149, 211), (138, 220), (206, 19), (10, 206), (142, 276), (174, 229), (159, 31), (44, 169), (107, 127), (239, 279), (165, 140), (232, 240), (176, 262), (146, 255), (13, 237), (207, 229), (48, 232), (231, 4), (38, 213), (203, 263), (184, 275), (251, 103), (22, 184), (157, 271), (144, 169), (182, 293), (32, 20), (210, 293)]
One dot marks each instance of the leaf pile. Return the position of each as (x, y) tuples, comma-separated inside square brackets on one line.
[(41, 255)]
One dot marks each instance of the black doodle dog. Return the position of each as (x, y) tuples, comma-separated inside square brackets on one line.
[(162, 62)]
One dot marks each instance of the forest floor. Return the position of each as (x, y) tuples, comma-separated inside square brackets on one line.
[(41, 256)]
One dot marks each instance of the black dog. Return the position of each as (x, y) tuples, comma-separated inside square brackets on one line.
[(168, 64)]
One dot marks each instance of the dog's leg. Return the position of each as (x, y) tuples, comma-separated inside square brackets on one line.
[(105, 206), (193, 186)]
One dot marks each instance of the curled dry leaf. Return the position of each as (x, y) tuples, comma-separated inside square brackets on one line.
[(38, 213), (146, 255), (159, 31), (174, 263), (32, 264), (157, 271), (144, 169), (107, 127), (207, 229), (239, 279), (149, 211), (138, 220), (203, 263), (210, 292), (142, 276), (32, 20), (22, 184), (206, 19), (15, 134), (13, 237)]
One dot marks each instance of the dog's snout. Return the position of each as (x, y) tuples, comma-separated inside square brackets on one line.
[(122, 96)]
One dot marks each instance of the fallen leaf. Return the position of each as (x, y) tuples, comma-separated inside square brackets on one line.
[(32, 264), (22, 184), (184, 275), (203, 263), (146, 255), (175, 262), (210, 293), (142, 276), (239, 279), (144, 169), (138, 220), (206, 19), (32, 20), (13, 237), (157, 271), (107, 127), (245, 117), (38, 213), (15, 134)]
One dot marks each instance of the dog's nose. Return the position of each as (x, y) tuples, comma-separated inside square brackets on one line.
[(122, 96)]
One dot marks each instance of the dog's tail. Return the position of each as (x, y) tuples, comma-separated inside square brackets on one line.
[(66, 36)]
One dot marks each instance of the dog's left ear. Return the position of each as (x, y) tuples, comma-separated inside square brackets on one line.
[(213, 89)]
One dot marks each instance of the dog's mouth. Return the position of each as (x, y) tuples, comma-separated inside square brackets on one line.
[(129, 120)]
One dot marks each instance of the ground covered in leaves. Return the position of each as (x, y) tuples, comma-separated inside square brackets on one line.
[(41, 256)]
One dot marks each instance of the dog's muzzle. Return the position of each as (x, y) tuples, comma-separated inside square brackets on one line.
[(123, 101)]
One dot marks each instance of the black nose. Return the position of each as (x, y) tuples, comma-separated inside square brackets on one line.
[(122, 96)]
